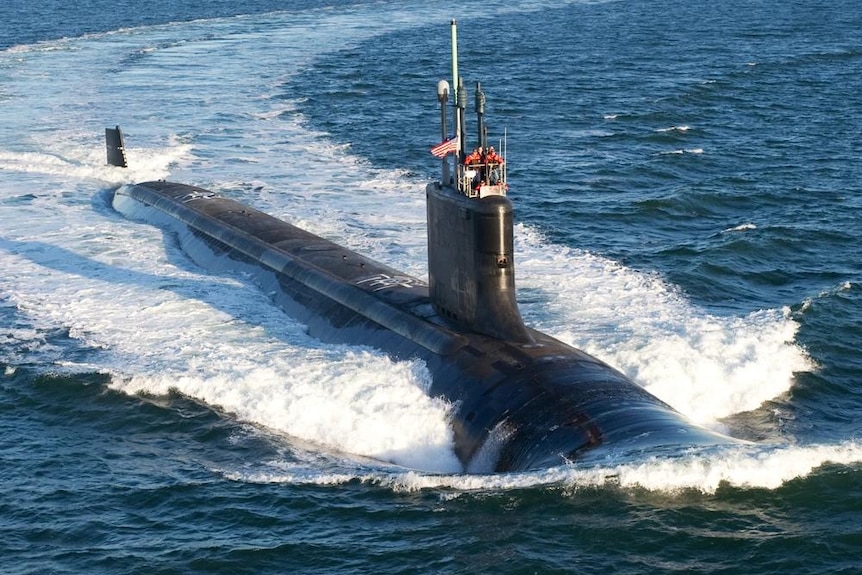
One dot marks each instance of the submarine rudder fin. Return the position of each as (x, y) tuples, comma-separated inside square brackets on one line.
[(116, 147)]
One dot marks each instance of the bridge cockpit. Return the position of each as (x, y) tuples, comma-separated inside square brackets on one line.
[(480, 179)]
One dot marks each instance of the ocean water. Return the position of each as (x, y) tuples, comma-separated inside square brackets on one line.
[(688, 191)]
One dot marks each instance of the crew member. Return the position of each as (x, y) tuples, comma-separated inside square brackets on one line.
[(494, 161), (474, 162), (475, 157)]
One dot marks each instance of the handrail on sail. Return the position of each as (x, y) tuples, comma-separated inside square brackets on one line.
[(480, 180)]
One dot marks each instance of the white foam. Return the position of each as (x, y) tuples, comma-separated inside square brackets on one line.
[(355, 402), (744, 467), (682, 151), (741, 228), (89, 164), (824, 294), (707, 367), (765, 467)]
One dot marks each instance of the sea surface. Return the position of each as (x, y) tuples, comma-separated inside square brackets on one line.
[(688, 191)]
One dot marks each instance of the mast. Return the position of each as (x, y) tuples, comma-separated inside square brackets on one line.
[(443, 97), (459, 96), (480, 117)]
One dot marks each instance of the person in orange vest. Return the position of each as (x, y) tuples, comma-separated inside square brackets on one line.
[(475, 157), (474, 160), (494, 161)]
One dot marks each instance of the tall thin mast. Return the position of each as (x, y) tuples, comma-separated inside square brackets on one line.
[(480, 116), (457, 99)]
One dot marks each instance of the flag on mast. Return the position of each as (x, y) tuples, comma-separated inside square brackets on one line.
[(445, 147)]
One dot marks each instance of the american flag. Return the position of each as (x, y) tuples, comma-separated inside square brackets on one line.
[(444, 147)]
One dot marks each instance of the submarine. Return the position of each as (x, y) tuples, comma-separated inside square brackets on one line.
[(520, 399)]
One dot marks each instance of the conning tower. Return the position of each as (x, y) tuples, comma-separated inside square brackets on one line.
[(471, 265)]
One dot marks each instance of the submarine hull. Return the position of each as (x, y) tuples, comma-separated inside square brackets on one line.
[(522, 403)]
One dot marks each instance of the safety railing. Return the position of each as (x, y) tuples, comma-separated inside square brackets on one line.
[(480, 180)]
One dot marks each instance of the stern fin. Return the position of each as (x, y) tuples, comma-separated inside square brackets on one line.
[(116, 147)]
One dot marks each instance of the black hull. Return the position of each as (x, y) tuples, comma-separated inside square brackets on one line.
[(523, 403)]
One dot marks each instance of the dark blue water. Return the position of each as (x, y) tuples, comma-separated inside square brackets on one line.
[(702, 156)]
